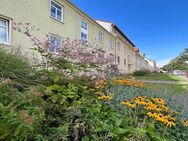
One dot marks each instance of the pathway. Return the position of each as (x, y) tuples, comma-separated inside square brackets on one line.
[(166, 82)]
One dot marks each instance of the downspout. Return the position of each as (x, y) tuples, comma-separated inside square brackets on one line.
[(115, 50)]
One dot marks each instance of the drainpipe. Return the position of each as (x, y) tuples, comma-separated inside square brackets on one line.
[(115, 50)]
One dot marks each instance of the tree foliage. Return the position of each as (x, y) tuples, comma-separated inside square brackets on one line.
[(178, 63)]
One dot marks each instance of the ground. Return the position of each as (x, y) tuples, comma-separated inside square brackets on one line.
[(165, 82), (160, 76)]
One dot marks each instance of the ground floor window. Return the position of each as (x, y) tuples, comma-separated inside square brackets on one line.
[(4, 31), (118, 60), (125, 62), (55, 43)]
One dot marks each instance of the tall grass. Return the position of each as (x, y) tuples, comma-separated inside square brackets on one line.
[(15, 67)]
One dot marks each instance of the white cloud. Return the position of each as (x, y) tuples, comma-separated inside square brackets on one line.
[(163, 62)]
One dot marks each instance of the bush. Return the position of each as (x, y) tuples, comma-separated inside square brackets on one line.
[(141, 73)]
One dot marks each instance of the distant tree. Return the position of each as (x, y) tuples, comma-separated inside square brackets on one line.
[(179, 63)]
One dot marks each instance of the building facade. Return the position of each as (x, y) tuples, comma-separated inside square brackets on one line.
[(61, 18), (57, 19), (124, 49)]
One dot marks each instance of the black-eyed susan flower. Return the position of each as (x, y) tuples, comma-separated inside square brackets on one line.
[(152, 114), (152, 107), (159, 101), (160, 117), (129, 104), (105, 97), (185, 122), (170, 123), (100, 93)]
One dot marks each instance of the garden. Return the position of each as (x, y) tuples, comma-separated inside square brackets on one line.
[(70, 96)]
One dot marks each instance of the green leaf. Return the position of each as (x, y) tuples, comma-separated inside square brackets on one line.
[(118, 122), (55, 87), (55, 78), (86, 138), (108, 127), (99, 129), (121, 131)]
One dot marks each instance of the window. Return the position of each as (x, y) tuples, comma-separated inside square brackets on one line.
[(84, 25), (111, 43), (56, 11), (4, 31), (118, 47), (118, 60), (125, 62), (101, 37), (84, 31), (55, 43)]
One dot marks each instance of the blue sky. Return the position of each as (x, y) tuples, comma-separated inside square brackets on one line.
[(158, 27)]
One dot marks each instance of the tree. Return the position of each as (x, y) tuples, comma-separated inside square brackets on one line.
[(179, 63)]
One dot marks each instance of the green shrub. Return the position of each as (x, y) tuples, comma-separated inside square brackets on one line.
[(140, 73)]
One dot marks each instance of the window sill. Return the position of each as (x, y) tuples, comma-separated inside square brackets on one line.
[(5, 44), (57, 20)]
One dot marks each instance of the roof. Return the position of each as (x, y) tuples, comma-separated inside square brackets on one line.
[(119, 30), (123, 35)]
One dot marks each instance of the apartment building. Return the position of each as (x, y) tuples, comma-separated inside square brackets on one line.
[(125, 50), (128, 57), (61, 18), (56, 18)]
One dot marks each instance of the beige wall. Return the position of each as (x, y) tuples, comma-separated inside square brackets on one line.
[(37, 12), (126, 52)]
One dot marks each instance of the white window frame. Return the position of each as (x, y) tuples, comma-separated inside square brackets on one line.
[(61, 40), (101, 37), (84, 30), (8, 30), (62, 11)]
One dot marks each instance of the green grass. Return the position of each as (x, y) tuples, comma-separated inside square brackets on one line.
[(169, 89), (159, 76)]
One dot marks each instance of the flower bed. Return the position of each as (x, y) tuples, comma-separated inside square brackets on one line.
[(65, 104)]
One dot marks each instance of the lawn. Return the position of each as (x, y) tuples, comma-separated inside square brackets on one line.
[(169, 89), (159, 76)]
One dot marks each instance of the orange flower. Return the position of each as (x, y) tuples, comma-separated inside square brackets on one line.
[(130, 82)]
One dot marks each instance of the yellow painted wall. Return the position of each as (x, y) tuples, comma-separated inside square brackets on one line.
[(37, 12)]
